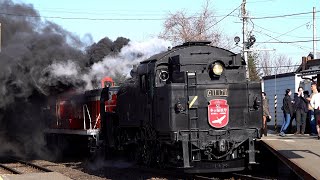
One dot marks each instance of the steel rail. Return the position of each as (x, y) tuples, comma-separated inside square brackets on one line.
[(12, 170), (31, 164)]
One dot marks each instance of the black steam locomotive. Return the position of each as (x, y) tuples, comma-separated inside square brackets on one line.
[(190, 107)]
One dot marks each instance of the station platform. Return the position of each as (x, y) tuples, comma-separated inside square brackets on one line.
[(301, 153)]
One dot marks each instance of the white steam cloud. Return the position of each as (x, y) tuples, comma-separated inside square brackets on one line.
[(68, 68), (129, 55)]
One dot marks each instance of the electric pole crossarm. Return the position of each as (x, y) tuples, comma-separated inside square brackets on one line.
[(251, 50)]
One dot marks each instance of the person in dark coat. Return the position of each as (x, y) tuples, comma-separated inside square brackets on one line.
[(301, 109), (290, 129), (287, 112), (266, 113)]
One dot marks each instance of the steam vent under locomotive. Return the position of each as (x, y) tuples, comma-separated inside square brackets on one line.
[(190, 107)]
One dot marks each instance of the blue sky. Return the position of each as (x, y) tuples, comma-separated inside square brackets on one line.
[(294, 28)]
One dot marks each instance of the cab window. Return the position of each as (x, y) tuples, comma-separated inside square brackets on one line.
[(143, 83)]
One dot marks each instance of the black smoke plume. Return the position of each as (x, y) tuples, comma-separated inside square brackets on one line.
[(39, 60), (29, 46), (105, 47)]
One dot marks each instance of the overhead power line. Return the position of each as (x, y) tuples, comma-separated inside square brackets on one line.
[(222, 19), (99, 19), (260, 1), (85, 18), (285, 15), (143, 19), (276, 67), (281, 34), (291, 30), (287, 42), (279, 41)]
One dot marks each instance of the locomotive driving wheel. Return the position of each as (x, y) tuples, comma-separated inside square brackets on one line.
[(146, 156), (145, 149), (160, 155)]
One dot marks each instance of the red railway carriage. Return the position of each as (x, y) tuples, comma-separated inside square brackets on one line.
[(78, 114)]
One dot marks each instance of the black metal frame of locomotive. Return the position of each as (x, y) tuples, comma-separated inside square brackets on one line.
[(163, 116)]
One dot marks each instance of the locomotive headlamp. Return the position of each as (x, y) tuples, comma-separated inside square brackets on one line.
[(163, 75), (217, 69)]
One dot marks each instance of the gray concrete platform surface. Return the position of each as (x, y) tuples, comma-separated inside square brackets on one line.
[(300, 152)]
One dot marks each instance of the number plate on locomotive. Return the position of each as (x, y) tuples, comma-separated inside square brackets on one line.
[(216, 92)]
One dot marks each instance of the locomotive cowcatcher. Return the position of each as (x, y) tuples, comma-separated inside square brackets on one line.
[(191, 108)]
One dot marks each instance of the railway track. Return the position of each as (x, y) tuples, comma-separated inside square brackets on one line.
[(212, 176), (248, 176), (16, 166), (238, 176)]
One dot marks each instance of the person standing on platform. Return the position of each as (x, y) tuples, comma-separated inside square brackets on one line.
[(290, 129), (315, 104), (287, 112), (301, 109), (313, 123), (266, 113), (306, 95)]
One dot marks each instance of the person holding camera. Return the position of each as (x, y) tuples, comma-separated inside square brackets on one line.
[(266, 114), (301, 109)]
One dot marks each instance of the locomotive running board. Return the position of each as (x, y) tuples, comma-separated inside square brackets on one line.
[(216, 166), (90, 132)]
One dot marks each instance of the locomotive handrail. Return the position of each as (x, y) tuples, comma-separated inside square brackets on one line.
[(84, 117), (58, 114), (95, 124)]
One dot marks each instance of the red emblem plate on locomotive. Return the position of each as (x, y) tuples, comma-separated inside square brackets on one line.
[(218, 113)]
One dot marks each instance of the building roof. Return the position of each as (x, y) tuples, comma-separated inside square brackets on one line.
[(312, 67), (279, 75)]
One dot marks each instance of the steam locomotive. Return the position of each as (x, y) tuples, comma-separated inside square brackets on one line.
[(190, 108)]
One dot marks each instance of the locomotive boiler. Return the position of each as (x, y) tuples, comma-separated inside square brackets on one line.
[(191, 108)]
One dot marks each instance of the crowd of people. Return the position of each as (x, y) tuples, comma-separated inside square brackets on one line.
[(302, 108)]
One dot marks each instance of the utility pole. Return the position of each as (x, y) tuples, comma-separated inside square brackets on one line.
[(314, 34), (244, 36)]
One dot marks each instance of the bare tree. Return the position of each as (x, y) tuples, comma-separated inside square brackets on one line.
[(180, 27), (264, 63), (270, 64)]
